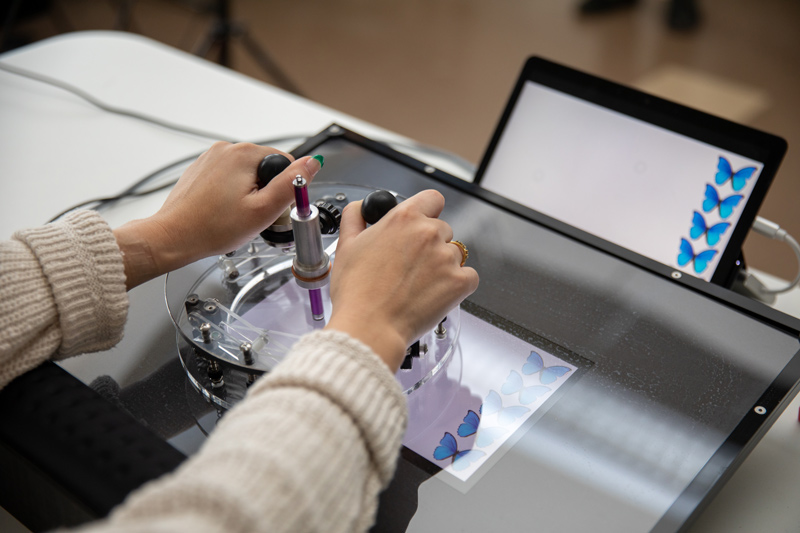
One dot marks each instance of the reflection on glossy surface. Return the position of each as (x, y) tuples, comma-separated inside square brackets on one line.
[(674, 373), (238, 315)]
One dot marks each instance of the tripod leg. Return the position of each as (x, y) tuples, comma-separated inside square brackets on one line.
[(203, 49), (268, 64), (124, 18)]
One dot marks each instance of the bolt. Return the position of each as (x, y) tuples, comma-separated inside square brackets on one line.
[(229, 267), (440, 330), (205, 331), (215, 375), (247, 351)]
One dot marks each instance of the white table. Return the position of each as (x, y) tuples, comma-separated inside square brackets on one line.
[(56, 150)]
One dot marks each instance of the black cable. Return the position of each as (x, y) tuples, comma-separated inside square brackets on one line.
[(456, 159), (133, 192), (109, 108), (263, 142), (111, 199)]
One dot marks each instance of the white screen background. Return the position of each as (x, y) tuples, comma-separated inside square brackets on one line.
[(616, 177)]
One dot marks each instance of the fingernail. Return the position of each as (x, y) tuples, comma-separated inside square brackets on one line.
[(313, 164)]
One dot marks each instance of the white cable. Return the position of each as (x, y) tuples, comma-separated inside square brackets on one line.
[(771, 230)]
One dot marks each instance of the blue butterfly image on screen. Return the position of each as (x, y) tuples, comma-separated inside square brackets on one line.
[(448, 449), (470, 426), (548, 375), (527, 395), (738, 178), (484, 436), (687, 255), (505, 415), (712, 233), (725, 205)]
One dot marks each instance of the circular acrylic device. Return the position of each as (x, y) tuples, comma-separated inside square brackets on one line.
[(238, 315)]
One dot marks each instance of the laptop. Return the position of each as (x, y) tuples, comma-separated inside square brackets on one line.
[(629, 171)]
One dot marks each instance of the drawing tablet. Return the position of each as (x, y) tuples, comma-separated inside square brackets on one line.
[(609, 164), (660, 393)]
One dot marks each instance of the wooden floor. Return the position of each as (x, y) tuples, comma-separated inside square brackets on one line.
[(440, 71)]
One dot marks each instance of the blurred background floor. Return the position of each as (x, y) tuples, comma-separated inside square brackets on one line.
[(440, 71)]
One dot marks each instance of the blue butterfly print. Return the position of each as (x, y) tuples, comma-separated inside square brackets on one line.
[(738, 178), (725, 205), (527, 395), (505, 415), (470, 425), (448, 449), (687, 255), (485, 435), (548, 374), (712, 233)]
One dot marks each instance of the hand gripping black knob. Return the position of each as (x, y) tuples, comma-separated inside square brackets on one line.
[(271, 166), (281, 231), (377, 204)]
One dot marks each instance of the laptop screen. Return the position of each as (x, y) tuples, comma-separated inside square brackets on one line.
[(666, 194)]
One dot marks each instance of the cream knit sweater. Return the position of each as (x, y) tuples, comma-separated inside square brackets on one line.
[(309, 449)]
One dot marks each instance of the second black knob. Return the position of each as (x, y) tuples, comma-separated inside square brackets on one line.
[(376, 205)]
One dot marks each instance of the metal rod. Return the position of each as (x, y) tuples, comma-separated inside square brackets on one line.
[(303, 211), (317, 311), (301, 197)]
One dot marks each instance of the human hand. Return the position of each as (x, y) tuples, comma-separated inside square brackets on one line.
[(395, 280), (214, 208)]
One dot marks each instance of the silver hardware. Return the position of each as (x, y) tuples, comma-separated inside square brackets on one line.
[(247, 351), (205, 331), (440, 331)]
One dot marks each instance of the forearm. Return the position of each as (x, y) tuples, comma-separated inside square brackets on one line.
[(147, 252), (308, 450), (62, 292)]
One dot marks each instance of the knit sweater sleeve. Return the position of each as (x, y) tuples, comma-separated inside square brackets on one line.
[(309, 449), (62, 293)]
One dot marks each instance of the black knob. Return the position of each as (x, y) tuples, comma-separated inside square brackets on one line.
[(268, 168), (271, 166), (377, 204), (329, 217)]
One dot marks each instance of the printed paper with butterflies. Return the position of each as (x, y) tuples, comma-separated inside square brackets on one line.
[(710, 224), (504, 381)]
